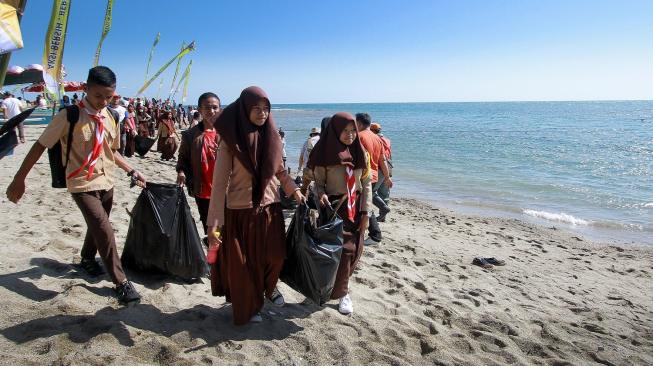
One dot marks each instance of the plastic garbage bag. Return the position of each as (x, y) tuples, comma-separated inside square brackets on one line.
[(143, 144), (162, 234), (8, 142), (313, 254)]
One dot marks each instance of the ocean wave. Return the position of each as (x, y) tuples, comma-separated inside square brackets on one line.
[(285, 109), (559, 217), (648, 205)]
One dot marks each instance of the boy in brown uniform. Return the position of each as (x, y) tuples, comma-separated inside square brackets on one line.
[(89, 174)]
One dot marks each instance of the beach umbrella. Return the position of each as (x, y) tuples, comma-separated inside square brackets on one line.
[(30, 74), (69, 86), (142, 144), (15, 120)]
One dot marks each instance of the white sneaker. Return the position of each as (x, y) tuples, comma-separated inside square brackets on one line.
[(256, 318), (370, 242), (346, 306)]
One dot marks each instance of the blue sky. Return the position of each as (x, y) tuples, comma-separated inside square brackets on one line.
[(368, 51)]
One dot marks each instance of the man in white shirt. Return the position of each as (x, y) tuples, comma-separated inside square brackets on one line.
[(307, 174), (122, 112), (12, 107)]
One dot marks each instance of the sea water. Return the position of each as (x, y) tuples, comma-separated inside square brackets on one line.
[(584, 166)]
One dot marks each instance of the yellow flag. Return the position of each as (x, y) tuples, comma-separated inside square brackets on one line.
[(158, 93), (182, 53), (186, 79), (105, 30), (174, 78), (149, 60), (54, 45), (182, 78), (10, 36)]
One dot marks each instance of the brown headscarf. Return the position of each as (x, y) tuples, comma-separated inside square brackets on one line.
[(330, 151), (257, 148)]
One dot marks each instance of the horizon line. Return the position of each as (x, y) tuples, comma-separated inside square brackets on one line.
[(479, 101)]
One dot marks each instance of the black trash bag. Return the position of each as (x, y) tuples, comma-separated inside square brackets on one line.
[(162, 234), (313, 254), (142, 144), (8, 142)]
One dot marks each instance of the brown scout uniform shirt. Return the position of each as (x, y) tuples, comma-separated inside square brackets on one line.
[(82, 144)]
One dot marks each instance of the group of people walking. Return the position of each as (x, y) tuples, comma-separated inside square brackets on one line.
[(232, 163)]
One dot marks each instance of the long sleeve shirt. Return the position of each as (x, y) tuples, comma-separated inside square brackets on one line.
[(330, 180), (233, 182)]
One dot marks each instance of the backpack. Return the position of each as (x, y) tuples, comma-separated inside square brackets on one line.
[(57, 166)]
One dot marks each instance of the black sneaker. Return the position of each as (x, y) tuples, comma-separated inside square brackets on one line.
[(127, 294), (91, 267)]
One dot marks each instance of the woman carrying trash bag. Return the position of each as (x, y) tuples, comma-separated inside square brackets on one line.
[(338, 164), (167, 143), (130, 131), (249, 231)]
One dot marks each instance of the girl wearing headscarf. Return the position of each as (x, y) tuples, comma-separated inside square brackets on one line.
[(130, 131), (143, 118), (338, 164), (167, 142), (249, 231)]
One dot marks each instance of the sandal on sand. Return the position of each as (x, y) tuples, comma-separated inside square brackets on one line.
[(495, 261), (481, 262)]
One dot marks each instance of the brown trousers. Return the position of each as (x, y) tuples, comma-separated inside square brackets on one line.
[(250, 259), (352, 249), (203, 209), (96, 207)]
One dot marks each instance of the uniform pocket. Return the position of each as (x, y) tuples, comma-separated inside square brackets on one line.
[(83, 132)]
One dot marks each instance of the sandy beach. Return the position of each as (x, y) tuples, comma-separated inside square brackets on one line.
[(560, 299)]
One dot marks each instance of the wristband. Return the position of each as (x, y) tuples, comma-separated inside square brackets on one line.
[(131, 172)]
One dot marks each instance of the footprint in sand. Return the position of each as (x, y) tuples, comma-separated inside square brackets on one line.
[(421, 286), (469, 298)]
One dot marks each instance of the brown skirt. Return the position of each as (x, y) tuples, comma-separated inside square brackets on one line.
[(352, 249), (250, 259), (167, 146), (143, 129)]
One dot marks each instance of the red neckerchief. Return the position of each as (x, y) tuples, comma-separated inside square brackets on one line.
[(94, 154), (351, 192)]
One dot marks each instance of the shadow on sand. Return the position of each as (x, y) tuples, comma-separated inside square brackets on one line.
[(212, 324)]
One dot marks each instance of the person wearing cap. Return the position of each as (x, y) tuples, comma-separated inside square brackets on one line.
[(307, 174), (122, 112), (383, 191)]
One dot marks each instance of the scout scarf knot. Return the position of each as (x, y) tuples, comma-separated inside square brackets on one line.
[(94, 154), (351, 192)]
